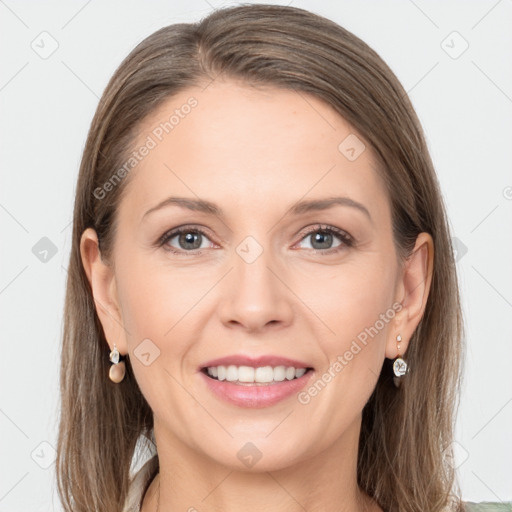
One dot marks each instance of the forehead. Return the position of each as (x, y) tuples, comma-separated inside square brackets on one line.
[(240, 145)]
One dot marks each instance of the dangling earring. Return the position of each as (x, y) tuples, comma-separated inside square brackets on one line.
[(399, 366), (118, 369)]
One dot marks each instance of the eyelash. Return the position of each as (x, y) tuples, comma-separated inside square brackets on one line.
[(346, 239)]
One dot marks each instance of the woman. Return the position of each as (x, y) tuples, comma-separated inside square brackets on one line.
[(261, 264)]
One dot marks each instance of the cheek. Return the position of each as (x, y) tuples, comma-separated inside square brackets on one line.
[(154, 298), (161, 309), (358, 294), (358, 308), (154, 302)]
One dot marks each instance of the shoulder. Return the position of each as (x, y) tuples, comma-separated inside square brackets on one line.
[(139, 483), (488, 506)]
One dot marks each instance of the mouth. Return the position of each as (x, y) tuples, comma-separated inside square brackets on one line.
[(255, 376), (250, 381)]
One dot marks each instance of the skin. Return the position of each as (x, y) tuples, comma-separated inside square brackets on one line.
[(255, 152)]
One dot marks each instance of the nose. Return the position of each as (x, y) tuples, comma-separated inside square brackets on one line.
[(255, 296)]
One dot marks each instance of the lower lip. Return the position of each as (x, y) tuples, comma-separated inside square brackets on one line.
[(256, 396)]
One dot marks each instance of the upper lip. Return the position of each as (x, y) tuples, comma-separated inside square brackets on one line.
[(255, 362)]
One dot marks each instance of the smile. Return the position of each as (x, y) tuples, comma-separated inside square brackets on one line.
[(255, 387), (247, 375)]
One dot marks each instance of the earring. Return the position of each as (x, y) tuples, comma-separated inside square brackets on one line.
[(118, 369), (399, 365)]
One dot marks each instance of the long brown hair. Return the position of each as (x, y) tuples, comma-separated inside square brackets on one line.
[(405, 454)]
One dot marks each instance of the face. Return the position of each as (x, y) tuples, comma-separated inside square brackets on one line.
[(267, 273)]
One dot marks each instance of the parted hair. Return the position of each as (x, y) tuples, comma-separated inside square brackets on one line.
[(405, 448)]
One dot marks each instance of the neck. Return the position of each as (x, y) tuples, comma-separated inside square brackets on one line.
[(190, 481)]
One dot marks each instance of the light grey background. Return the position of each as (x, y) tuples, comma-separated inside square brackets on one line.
[(463, 98)]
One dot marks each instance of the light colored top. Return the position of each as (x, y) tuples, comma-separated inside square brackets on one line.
[(139, 484), (141, 480), (487, 506)]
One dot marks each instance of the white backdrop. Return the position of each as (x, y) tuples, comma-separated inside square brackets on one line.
[(454, 59)]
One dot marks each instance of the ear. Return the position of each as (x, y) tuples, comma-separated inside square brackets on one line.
[(412, 293), (101, 277)]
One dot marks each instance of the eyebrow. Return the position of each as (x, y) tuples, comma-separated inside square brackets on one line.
[(201, 205)]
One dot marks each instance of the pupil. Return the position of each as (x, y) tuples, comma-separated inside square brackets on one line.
[(325, 239), (189, 238)]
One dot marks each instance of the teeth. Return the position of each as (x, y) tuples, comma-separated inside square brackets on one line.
[(248, 374), (300, 372), (289, 373), (231, 373), (245, 373)]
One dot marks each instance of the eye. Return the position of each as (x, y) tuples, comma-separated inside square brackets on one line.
[(185, 239), (322, 238)]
